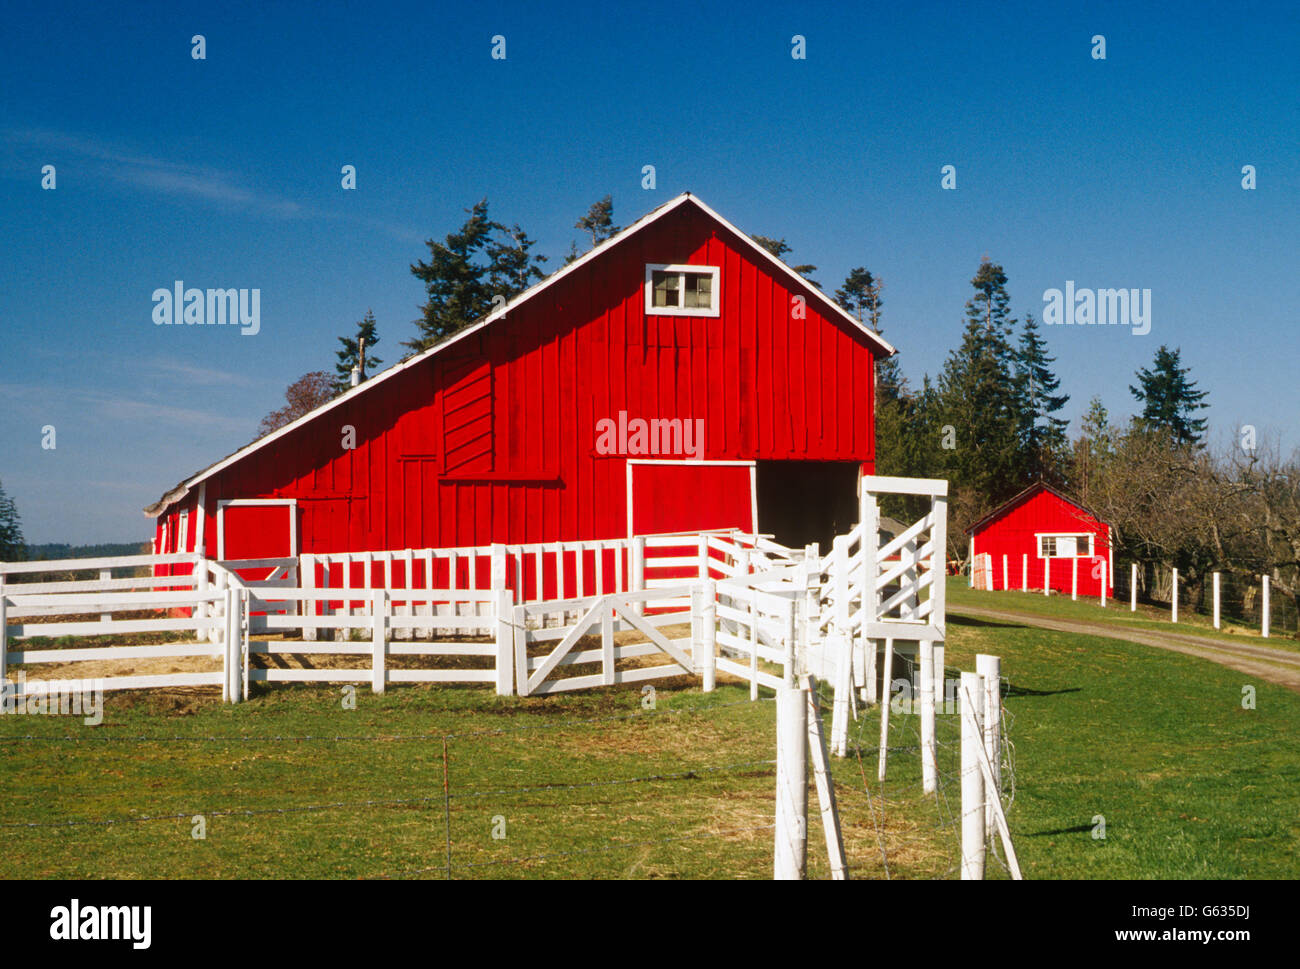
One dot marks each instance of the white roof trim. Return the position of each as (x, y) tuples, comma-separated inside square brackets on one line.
[(654, 215)]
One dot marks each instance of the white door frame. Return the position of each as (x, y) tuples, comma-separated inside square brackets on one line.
[(292, 503), (690, 463)]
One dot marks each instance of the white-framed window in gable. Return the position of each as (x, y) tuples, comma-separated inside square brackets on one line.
[(1063, 546), (682, 290)]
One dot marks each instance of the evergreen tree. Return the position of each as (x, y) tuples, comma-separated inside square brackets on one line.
[(464, 274), (454, 281), (349, 356), (12, 546), (1092, 449), (976, 396), (511, 266), (599, 221), (860, 295), (1042, 435), (778, 248), (1169, 400)]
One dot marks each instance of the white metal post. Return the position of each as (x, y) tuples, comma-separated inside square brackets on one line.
[(1264, 605), (1175, 596), (990, 668), (929, 771), (378, 640), (791, 849), (1216, 600), (972, 778)]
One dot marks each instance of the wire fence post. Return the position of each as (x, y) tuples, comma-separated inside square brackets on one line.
[(1174, 596), (929, 764), (1103, 583), (972, 780), (990, 668), (1264, 607), (791, 848), (1074, 580), (1133, 588), (1024, 572), (1047, 575)]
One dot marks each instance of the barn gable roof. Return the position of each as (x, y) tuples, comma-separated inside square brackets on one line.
[(1033, 489), (882, 347)]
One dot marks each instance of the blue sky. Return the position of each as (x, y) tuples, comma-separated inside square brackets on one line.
[(225, 172)]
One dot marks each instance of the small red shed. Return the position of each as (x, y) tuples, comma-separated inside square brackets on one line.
[(1042, 533), (677, 377)]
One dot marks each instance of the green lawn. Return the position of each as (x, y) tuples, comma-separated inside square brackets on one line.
[(1116, 612), (592, 785)]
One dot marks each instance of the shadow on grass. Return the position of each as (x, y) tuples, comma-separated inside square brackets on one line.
[(956, 619), (1077, 829), (1013, 690)]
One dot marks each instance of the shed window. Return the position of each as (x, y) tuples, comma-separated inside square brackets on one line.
[(682, 290), (1065, 546)]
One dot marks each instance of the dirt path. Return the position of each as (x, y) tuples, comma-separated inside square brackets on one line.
[(1268, 663)]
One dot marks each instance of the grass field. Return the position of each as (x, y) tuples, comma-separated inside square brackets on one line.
[(592, 785), (1114, 612)]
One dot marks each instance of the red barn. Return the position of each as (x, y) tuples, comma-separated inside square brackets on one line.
[(677, 377), (1043, 533)]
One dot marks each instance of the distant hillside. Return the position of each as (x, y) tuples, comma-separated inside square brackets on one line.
[(52, 551)]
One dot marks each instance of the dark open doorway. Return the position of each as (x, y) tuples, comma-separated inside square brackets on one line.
[(807, 501)]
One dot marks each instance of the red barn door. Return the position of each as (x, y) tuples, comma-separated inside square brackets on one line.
[(681, 496), (259, 529)]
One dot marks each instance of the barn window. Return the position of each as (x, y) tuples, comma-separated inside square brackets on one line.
[(1065, 546), (682, 290)]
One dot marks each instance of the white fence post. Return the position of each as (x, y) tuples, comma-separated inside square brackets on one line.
[(1133, 588), (868, 547), (245, 637), (1174, 596), (990, 668), (704, 560), (230, 639), (1047, 575), (378, 640), (1264, 606), (940, 682), (1074, 580), (1103, 583), (521, 649), (791, 848), (929, 765), (307, 581), (710, 640), (839, 646), (637, 566), (4, 637), (1005, 582), (1216, 600), (886, 693), (505, 607), (201, 608), (972, 779), (104, 576), (1024, 572)]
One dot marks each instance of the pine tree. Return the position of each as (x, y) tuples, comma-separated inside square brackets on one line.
[(1092, 449), (778, 248), (860, 296), (465, 273), (1042, 435), (511, 266), (349, 356), (599, 221), (455, 283), (1169, 400), (12, 546), (977, 397)]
